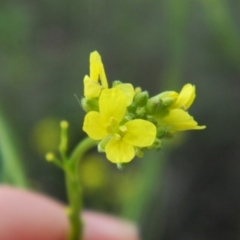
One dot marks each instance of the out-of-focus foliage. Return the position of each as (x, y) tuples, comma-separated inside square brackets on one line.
[(159, 45), (11, 169)]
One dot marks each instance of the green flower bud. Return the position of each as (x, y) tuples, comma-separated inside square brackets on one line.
[(168, 97), (90, 104), (132, 108), (116, 82), (137, 90), (139, 153), (50, 157), (141, 98), (141, 113), (157, 145), (167, 102), (161, 131), (153, 105), (152, 120)]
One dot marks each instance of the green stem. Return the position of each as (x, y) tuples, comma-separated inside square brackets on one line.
[(74, 190), (81, 149), (75, 205)]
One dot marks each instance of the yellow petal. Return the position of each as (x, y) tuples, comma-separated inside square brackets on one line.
[(95, 58), (168, 94), (103, 77), (112, 104), (179, 120), (185, 97), (95, 125), (97, 69), (140, 133), (118, 151), (92, 89), (128, 91)]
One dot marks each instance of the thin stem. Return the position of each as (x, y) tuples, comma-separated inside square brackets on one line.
[(74, 190), (75, 204), (81, 149), (51, 158)]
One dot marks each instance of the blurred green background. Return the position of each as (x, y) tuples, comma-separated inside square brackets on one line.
[(190, 190)]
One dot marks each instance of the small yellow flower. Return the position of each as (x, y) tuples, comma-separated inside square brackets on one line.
[(121, 137), (176, 118), (179, 120), (185, 98), (92, 87)]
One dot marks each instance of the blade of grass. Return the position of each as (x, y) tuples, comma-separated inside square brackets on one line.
[(11, 170)]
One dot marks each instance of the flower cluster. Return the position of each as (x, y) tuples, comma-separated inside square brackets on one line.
[(125, 120)]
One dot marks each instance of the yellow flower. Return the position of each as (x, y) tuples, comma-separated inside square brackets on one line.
[(185, 98), (179, 120), (175, 118), (92, 88), (121, 137)]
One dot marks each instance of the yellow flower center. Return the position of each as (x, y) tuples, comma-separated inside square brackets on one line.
[(112, 126), (114, 129)]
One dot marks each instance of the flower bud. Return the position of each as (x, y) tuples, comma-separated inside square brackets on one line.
[(152, 120), (139, 153), (141, 113), (64, 136), (153, 105), (167, 102), (161, 131), (137, 90), (141, 98), (49, 156), (116, 82), (168, 97), (132, 108), (157, 145)]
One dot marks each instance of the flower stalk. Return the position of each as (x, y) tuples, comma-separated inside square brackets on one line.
[(70, 166), (73, 211)]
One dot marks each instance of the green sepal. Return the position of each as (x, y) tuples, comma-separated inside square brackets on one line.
[(102, 144), (90, 104), (121, 166)]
